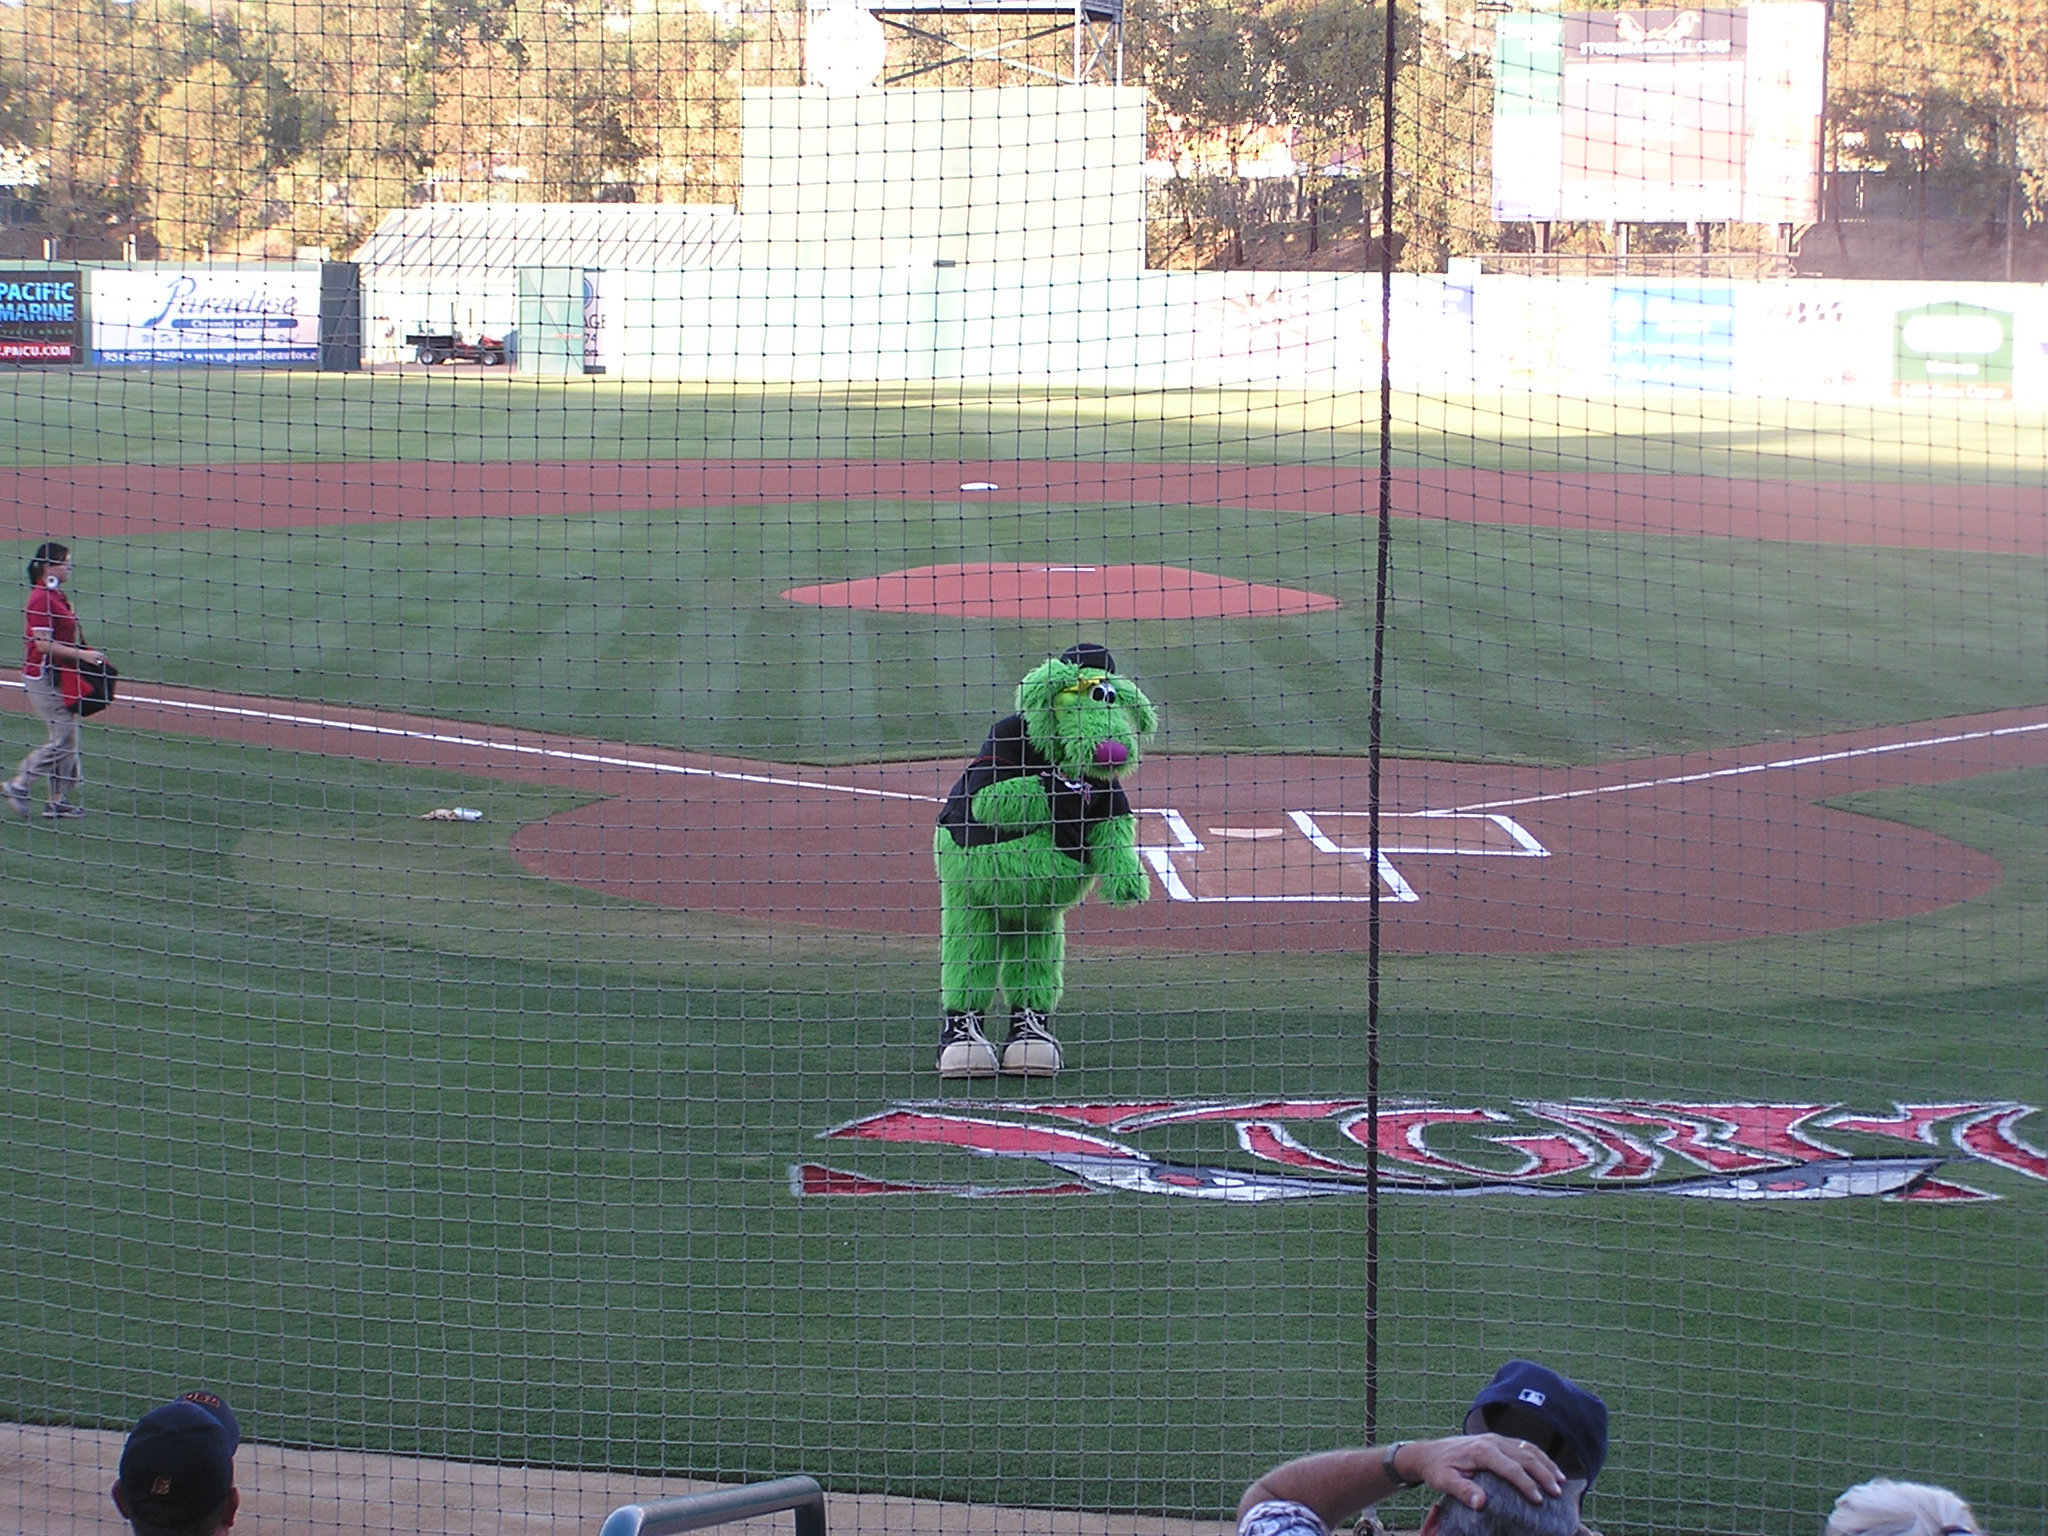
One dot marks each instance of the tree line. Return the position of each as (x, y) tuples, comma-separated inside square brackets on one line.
[(212, 127), (245, 126)]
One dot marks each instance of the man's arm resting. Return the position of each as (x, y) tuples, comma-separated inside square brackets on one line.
[(1338, 1484)]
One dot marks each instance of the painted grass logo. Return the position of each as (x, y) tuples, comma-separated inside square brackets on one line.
[(1299, 1149)]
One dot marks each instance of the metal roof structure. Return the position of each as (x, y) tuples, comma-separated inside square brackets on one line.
[(1097, 29), (446, 238)]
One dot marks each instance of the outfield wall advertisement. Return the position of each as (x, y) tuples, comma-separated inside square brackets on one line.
[(1816, 340), (1822, 341), (40, 317), (1952, 350), (1665, 333), (218, 316), (1848, 342)]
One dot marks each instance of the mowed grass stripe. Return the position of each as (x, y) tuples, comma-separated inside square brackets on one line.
[(670, 630)]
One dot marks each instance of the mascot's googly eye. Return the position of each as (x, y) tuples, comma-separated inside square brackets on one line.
[(1102, 693)]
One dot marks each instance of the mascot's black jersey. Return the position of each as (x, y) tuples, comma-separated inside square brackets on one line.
[(1008, 753)]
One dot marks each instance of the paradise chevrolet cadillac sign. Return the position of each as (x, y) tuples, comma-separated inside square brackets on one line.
[(40, 317), (1307, 1148), (203, 315)]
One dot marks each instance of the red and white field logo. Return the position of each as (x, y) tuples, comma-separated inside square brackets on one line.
[(1305, 1148)]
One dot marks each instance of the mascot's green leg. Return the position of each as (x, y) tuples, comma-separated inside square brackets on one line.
[(1034, 978), (969, 963), (970, 955), (1034, 969)]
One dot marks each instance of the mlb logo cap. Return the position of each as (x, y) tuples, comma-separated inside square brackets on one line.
[(179, 1462), (1532, 1402)]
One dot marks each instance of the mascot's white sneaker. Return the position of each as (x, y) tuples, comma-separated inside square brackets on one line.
[(1029, 1050), (964, 1050)]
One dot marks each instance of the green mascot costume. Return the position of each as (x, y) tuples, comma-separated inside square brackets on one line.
[(1036, 821)]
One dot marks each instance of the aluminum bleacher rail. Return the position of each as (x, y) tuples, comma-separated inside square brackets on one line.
[(695, 1511)]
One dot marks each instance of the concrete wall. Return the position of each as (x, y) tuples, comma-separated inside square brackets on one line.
[(1055, 323)]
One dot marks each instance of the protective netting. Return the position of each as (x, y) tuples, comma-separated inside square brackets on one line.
[(569, 489)]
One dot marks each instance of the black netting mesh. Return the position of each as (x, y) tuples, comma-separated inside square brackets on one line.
[(570, 488)]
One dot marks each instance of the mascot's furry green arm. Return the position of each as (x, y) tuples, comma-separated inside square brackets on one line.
[(1038, 820)]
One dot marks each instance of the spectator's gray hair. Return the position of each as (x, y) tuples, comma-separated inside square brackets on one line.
[(1885, 1508), (1507, 1513)]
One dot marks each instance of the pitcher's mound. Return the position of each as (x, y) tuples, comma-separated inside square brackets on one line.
[(1076, 592)]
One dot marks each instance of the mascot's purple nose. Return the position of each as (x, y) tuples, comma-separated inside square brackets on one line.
[(1111, 754)]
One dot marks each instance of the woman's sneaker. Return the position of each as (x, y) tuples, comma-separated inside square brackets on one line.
[(1029, 1049), (964, 1050), (17, 796), (60, 810)]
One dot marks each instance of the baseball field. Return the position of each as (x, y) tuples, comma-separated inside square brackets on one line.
[(601, 1131)]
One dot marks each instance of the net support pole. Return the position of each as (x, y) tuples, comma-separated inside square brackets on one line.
[(1382, 553)]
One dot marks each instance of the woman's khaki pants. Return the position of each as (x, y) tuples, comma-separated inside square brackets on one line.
[(57, 757)]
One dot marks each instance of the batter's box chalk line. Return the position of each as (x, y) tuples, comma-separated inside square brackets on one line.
[(1185, 845)]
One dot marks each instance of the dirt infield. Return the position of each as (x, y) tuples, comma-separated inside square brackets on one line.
[(145, 501), (1272, 853), (1247, 853), (1264, 853)]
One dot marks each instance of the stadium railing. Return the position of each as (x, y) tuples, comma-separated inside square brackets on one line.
[(696, 1511)]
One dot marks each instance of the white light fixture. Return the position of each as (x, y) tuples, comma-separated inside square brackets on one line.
[(845, 49)]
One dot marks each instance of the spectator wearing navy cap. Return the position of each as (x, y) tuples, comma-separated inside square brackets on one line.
[(1526, 1401), (178, 1469), (1533, 1443)]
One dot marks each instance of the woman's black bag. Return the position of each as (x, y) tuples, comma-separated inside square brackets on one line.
[(99, 678)]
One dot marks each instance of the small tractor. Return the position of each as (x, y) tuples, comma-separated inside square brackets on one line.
[(431, 347)]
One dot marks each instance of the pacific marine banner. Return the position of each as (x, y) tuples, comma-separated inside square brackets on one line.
[(41, 317), (1308, 1148)]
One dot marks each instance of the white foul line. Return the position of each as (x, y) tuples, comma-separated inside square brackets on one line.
[(1731, 773), (516, 749), (601, 760)]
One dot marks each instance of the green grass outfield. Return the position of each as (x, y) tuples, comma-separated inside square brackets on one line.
[(409, 1150), (669, 629)]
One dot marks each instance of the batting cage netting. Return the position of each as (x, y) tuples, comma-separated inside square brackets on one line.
[(1023, 752)]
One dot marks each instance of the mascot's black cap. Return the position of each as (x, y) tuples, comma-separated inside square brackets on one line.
[(1095, 658)]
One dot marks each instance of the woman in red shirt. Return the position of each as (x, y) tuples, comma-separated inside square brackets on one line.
[(49, 667)]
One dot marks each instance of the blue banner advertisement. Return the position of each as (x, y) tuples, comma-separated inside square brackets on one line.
[(40, 317), (1682, 336)]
